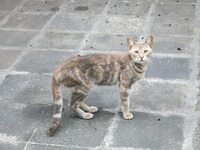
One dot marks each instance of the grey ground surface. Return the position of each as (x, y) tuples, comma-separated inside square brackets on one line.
[(37, 35)]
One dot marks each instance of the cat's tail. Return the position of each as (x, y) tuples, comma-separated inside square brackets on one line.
[(58, 104)]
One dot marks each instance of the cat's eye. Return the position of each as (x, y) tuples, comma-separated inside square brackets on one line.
[(145, 51), (136, 52)]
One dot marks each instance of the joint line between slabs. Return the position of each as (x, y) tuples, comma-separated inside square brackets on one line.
[(30, 139)]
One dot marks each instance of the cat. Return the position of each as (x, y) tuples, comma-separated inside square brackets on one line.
[(81, 73)]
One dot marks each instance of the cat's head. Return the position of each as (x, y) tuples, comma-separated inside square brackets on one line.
[(140, 52)]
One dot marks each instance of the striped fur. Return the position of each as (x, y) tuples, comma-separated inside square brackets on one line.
[(81, 73)]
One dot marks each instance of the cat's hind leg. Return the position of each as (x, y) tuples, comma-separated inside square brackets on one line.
[(76, 98), (88, 108)]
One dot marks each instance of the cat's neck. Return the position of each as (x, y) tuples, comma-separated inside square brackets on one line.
[(140, 66)]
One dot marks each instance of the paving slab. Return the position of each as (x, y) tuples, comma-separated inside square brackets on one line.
[(72, 23), (134, 9), (172, 26), (178, 1), (75, 131), (27, 21), (84, 7), (43, 61), (167, 10), (196, 136), (9, 5), (108, 42), (169, 68), (34, 89), (50, 6), (120, 25), (51, 40), (15, 38), (52, 147), (163, 97), (172, 45), (19, 120), (12, 147), (148, 131), (7, 58), (3, 15)]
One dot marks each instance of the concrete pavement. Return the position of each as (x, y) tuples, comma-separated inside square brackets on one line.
[(37, 35)]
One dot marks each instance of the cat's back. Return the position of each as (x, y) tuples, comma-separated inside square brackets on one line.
[(88, 61)]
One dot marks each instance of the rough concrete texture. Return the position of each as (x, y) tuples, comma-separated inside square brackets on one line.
[(37, 35)]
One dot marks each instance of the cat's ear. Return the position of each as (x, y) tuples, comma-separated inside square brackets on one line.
[(130, 43), (149, 41)]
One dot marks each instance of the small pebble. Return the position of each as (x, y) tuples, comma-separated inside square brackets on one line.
[(179, 49), (158, 119), (121, 43), (158, 14), (170, 25)]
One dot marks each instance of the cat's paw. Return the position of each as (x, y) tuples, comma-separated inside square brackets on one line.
[(88, 116), (93, 109), (128, 116)]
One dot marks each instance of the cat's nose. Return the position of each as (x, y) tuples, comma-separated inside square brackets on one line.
[(141, 57)]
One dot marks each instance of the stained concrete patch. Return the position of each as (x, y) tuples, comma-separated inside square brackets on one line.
[(75, 131), (150, 131), (34, 89), (108, 42), (50, 40), (169, 68), (7, 58), (159, 96), (120, 25), (43, 61), (27, 21), (15, 38), (84, 7), (77, 23)]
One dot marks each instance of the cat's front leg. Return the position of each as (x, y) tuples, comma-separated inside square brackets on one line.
[(124, 102)]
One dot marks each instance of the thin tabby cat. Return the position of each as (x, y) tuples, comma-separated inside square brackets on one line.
[(81, 73)]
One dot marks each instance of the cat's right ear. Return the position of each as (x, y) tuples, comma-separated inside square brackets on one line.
[(130, 43)]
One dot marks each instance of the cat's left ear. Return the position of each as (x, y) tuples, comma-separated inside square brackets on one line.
[(149, 41), (130, 43)]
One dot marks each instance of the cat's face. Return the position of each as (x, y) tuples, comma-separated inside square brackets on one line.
[(140, 52)]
